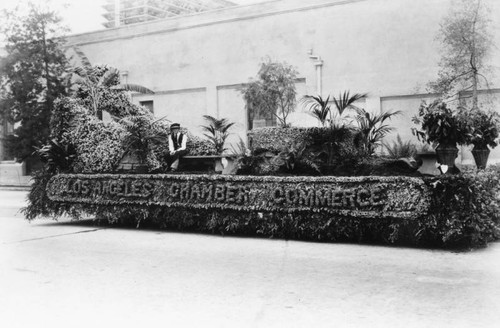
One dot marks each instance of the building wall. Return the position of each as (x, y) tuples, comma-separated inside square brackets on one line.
[(197, 64)]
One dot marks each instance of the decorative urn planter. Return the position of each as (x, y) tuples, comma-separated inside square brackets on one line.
[(481, 156), (446, 154)]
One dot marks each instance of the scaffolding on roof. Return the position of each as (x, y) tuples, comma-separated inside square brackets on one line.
[(125, 12)]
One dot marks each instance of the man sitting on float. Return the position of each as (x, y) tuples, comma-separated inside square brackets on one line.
[(176, 145)]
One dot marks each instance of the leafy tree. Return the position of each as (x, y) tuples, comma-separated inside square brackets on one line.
[(32, 76), (273, 94), (466, 43)]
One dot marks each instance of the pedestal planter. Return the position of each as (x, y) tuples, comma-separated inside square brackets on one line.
[(446, 154), (481, 156), (131, 163), (428, 166), (139, 169)]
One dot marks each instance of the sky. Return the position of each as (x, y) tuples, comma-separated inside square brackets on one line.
[(84, 15)]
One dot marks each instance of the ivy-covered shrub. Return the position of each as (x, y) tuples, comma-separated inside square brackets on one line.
[(98, 145), (465, 210), (199, 147), (39, 205), (275, 139), (66, 114), (119, 104)]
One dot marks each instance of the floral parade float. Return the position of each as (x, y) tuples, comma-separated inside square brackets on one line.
[(321, 184)]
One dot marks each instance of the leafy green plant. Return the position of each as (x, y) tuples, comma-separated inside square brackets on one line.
[(439, 124), (482, 128), (218, 131), (372, 127)]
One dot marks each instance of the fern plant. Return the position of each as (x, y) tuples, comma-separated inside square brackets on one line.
[(295, 159), (400, 149), (141, 135), (217, 132)]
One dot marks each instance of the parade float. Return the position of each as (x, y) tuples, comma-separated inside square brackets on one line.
[(323, 184)]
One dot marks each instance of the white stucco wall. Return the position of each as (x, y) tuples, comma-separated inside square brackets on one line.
[(196, 64)]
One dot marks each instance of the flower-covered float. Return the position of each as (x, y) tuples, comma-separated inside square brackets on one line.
[(322, 184)]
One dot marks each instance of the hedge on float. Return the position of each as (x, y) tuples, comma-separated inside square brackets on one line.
[(463, 211), (276, 139), (369, 197)]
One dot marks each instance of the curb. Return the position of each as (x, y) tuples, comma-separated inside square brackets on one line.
[(15, 188)]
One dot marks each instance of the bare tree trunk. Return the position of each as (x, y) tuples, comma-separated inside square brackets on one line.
[(474, 91)]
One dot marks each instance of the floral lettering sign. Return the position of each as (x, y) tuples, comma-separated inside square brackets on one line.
[(371, 197)]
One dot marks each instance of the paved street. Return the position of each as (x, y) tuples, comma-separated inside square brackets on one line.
[(67, 274)]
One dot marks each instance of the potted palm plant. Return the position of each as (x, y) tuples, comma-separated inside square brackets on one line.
[(443, 128), (138, 142), (337, 130), (217, 133), (483, 130)]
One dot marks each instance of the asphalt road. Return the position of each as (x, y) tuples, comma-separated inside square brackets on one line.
[(75, 274)]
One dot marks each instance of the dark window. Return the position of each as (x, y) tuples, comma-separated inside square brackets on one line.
[(148, 104), (260, 121)]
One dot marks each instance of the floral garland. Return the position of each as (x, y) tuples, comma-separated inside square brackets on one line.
[(365, 197), (276, 139)]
